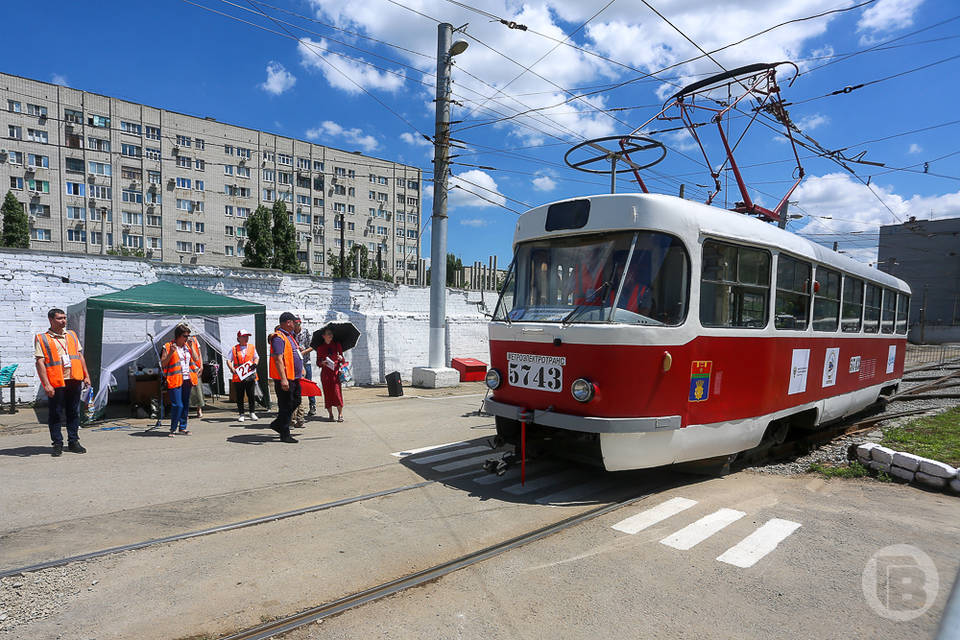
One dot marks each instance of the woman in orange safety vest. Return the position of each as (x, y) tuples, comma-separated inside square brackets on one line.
[(181, 368)]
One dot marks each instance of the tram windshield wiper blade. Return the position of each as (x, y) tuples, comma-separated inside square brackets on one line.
[(580, 308)]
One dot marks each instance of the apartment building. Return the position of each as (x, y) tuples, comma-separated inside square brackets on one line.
[(96, 173)]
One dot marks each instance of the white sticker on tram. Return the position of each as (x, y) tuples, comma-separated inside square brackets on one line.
[(751, 549), (652, 516), (798, 371), (693, 534), (410, 452)]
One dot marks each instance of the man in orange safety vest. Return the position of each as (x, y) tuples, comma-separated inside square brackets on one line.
[(62, 372)]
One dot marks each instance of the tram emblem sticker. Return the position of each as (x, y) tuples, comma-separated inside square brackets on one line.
[(798, 371), (891, 358), (855, 364), (830, 361), (700, 380)]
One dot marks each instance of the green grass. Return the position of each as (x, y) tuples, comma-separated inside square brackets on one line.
[(852, 470), (935, 437)]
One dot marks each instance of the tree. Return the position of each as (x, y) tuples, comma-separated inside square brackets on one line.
[(284, 240), (259, 247), (368, 265), (126, 251), (454, 265), (16, 229)]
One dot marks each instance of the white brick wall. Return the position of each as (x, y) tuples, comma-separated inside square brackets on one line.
[(394, 319)]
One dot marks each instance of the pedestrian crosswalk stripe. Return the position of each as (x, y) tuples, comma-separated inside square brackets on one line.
[(695, 533), (538, 483), (652, 516), (751, 549), (410, 452), (460, 464), (575, 493), (449, 454)]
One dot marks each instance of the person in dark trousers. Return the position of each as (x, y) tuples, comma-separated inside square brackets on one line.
[(182, 373), (243, 353), (303, 338), (63, 372), (286, 369)]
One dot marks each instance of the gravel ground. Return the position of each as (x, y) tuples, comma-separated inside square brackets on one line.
[(36, 595), (835, 452)]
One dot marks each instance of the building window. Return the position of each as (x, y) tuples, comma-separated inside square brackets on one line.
[(228, 210), (184, 162), (243, 153), (40, 210), (153, 177), (129, 173), (154, 243), (241, 250), (39, 186), (76, 213), (183, 205), (228, 149), (243, 172), (16, 183), (199, 143), (129, 195), (318, 202), (198, 185), (269, 175), (184, 141), (73, 116), (268, 195), (153, 133), (243, 212), (411, 233), (153, 154), (97, 191), (102, 122), (184, 247), (37, 135), (317, 165), (14, 106), (184, 225), (35, 160), (200, 247), (199, 164), (339, 207), (102, 169), (41, 235), (131, 217), (98, 144), (14, 132), (100, 214), (154, 221), (283, 158), (199, 227), (131, 127), (36, 110), (241, 232), (303, 163), (228, 250), (228, 230), (132, 241), (302, 199), (16, 157), (74, 140), (303, 218), (183, 183), (75, 188), (283, 177), (131, 150), (228, 169), (76, 235)]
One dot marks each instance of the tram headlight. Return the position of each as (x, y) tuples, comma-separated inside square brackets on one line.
[(582, 390), (492, 379)]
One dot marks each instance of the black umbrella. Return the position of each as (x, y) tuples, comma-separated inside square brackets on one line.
[(343, 332)]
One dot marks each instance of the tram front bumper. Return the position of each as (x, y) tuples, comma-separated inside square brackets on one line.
[(585, 424)]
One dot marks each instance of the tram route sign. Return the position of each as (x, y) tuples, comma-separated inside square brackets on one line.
[(700, 371)]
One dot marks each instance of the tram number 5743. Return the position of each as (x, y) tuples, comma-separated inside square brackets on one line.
[(542, 377)]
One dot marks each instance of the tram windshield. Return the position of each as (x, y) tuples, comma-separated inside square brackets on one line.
[(629, 277)]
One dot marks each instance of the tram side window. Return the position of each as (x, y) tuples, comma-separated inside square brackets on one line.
[(871, 314), (826, 300), (903, 312), (793, 293), (735, 287), (852, 305), (889, 311)]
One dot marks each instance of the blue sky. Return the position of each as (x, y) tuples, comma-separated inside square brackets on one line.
[(179, 56)]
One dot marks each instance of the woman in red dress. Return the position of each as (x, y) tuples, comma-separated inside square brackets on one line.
[(329, 359)]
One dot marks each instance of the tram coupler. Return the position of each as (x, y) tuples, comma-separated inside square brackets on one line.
[(500, 465)]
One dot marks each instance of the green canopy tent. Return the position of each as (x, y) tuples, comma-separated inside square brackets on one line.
[(117, 328)]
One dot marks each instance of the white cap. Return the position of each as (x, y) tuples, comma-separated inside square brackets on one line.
[(243, 332)]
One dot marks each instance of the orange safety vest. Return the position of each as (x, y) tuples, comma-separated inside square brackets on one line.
[(288, 347), (241, 355), (52, 358), (194, 345), (174, 373)]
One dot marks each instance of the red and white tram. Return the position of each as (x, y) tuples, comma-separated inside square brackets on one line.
[(641, 330)]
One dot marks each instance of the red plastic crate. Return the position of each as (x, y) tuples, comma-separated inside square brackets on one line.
[(471, 369)]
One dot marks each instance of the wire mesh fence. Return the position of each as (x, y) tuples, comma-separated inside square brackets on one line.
[(920, 354)]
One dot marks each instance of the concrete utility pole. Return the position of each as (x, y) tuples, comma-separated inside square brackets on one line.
[(343, 244), (436, 373)]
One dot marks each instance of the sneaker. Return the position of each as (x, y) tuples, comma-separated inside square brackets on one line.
[(57, 450), (253, 416), (76, 447), (311, 413), (241, 418), (289, 439)]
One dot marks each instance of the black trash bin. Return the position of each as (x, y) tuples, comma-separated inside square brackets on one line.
[(394, 388)]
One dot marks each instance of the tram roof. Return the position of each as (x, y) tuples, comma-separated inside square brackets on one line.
[(684, 218)]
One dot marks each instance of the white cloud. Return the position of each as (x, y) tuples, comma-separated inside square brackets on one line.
[(886, 15), (812, 121), (57, 78), (343, 73), (853, 210), (415, 140), (544, 183), (915, 148), (474, 188), (278, 79), (355, 136), (474, 222)]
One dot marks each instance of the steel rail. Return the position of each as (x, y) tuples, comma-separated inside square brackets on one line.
[(309, 616), (205, 532)]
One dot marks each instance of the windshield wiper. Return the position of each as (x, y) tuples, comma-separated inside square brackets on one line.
[(599, 291)]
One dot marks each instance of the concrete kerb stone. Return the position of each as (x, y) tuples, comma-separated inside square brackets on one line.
[(882, 455), (902, 474), (906, 461), (931, 481), (864, 450), (955, 485), (938, 469)]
